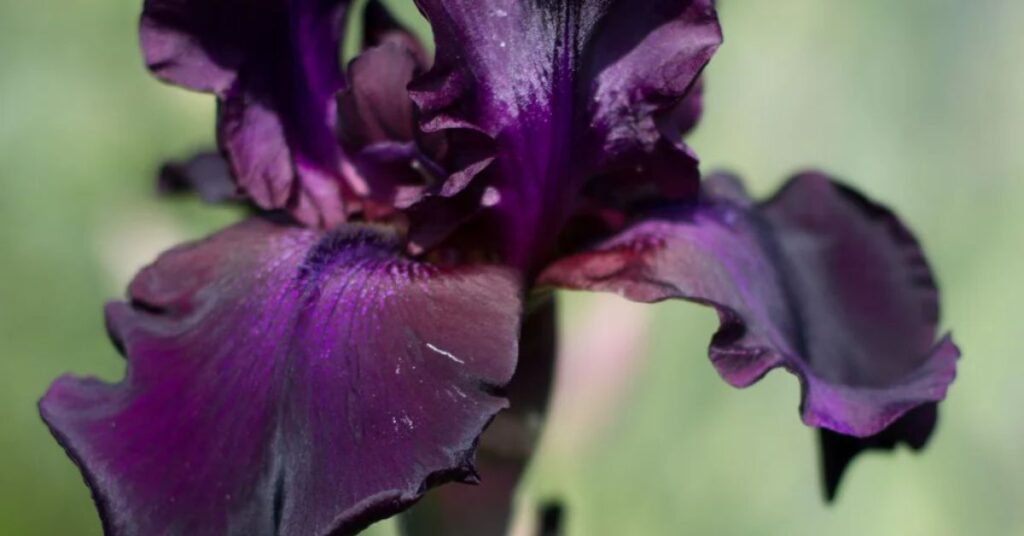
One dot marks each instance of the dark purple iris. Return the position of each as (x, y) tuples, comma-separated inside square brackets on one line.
[(322, 364)]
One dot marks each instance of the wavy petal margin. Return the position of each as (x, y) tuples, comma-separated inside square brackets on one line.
[(274, 66), (507, 446), (565, 91), (285, 381), (818, 280)]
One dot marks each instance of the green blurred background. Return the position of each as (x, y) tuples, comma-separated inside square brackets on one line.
[(919, 103)]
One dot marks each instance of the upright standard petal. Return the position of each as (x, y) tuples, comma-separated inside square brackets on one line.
[(394, 160), (376, 108), (275, 68), (284, 381), (818, 280), (566, 91), (668, 170)]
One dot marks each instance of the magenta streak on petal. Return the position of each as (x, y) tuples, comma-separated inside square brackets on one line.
[(567, 91), (280, 382), (274, 67)]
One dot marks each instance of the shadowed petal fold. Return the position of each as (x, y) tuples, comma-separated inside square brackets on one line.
[(566, 91), (376, 108), (394, 159), (818, 280), (275, 68), (285, 381)]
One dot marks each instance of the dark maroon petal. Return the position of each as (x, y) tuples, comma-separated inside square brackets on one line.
[(668, 170), (394, 160), (818, 280), (206, 174), (376, 106), (285, 381), (274, 67), (396, 173), (837, 450), (381, 27), (505, 448), (567, 90)]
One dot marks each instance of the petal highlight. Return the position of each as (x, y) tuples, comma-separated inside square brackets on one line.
[(275, 69), (505, 448), (285, 381), (566, 91), (817, 280)]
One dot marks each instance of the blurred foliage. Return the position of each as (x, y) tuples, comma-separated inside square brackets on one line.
[(920, 103)]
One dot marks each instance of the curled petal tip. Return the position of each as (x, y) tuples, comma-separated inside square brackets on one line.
[(818, 280)]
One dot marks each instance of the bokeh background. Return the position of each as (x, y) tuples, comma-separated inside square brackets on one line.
[(919, 103)]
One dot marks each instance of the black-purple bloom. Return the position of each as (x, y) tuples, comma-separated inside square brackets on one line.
[(323, 363)]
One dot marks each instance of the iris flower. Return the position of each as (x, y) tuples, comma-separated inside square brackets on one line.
[(325, 362)]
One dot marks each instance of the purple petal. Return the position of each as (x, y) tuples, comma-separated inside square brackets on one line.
[(377, 124), (664, 169), (206, 174), (818, 280), (274, 67), (285, 381), (396, 173), (376, 107), (505, 448), (567, 90), (837, 450)]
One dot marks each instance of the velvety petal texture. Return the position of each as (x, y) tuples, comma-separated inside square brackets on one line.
[(565, 91), (275, 68), (666, 171), (286, 381), (395, 161), (505, 448), (376, 106), (818, 280)]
